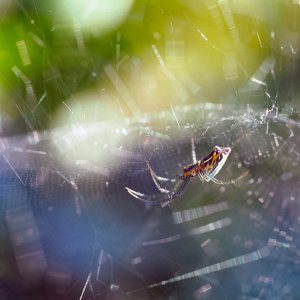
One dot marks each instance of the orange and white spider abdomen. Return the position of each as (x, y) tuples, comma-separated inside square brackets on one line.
[(210, 165)]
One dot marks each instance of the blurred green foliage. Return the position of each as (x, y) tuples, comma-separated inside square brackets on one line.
[(161, 53)]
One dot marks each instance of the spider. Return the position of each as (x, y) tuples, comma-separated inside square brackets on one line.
[(205, 169)]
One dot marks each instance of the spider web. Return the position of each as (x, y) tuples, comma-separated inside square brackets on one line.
[(69, 228), (135, 251)]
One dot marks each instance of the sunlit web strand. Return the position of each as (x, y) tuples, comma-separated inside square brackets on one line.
[(226, 264), (193, 232), (198, 212)]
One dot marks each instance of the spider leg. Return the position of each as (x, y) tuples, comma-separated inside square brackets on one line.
[(215, 180), (158, 199), (159, 178), (156, 178), (201, 177), (163, 199), (145, 198), (181, 188), (178, 193)]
